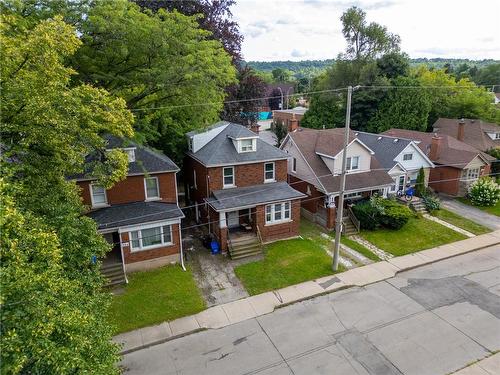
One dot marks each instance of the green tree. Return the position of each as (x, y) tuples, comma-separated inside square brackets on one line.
[(54, 317), (366, 40), (489, 75), (281, 75), (420, 184), (405, 106), (168, 69)]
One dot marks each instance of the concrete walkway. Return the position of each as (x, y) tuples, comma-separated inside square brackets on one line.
[(469, 212), (487, 366), (254, 306), (448, 225)]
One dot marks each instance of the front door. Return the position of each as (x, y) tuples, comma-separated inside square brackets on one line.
[(401, 183), (233, 220)]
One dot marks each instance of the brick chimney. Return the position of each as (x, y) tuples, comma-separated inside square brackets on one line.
[(435, 147), (255, 127), (461, 130)]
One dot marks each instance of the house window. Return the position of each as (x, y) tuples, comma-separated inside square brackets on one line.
[(473, 174), (247, 145), (352, 163), (412, 177), (277, 212), (353, 195), (151, 187), (190, 144), (269, 172), (98, 195), (497, 135), (228, 176), (148, 238), (294, 165), (408, 157)]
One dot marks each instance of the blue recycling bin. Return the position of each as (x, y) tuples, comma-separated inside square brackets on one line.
[(215, 248)]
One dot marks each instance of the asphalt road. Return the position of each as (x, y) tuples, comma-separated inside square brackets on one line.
[(431, 320)]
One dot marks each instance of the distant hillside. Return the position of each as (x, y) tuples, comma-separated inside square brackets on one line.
[(298, 66)]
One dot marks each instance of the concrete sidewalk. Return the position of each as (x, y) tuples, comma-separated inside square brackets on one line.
[(251, 307), (487, 366)]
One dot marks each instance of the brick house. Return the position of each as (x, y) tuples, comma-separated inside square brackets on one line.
[(238, 185), (290, 118), (476, 133), (457, 164), (140, 215), (315, 166)]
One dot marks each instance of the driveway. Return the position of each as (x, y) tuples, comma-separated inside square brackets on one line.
[(469, 212), (431, 320)]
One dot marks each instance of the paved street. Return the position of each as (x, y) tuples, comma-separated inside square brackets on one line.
[(472, 213), (431, 320)]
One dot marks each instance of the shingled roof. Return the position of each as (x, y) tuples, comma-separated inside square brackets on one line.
[(147, 160), (453, 152), (221, 151), (385, 147), (475, 132), (330, 142)]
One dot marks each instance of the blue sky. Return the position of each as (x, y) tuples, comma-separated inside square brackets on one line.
[(311, 29)]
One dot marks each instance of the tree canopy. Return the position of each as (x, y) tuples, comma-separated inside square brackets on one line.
[(54, 313)]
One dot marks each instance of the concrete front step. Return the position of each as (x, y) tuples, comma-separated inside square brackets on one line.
[(113, 274), (246, 254)]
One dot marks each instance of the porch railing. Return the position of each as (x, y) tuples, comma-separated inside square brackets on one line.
[(354, 219), (258, 234)]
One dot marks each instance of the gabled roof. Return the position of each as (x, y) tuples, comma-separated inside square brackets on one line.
[(221, 150), (475, 132), (253, 195), (453, 152), (147, 160), (121, 215), (330, 142)]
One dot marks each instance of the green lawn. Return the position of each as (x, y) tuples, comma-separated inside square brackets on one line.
[(152, 297), (359, 248), (460, 221), (286, 263), (418, 234), (494, 210)]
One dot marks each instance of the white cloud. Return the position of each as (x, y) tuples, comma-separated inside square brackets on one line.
[(298, 29)]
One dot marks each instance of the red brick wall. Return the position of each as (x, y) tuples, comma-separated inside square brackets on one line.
[(132, 189), (311, 202), (245, 175), (445, 179), (285, 118), (138, 256), (278, 231)]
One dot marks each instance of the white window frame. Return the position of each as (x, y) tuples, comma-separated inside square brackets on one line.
[(224, 185), (497, 135), (286, 213), (130, 151), (294, 165), (252, 148), (273, 179), (410, 154), (350, 164), (140, 237), (353, 195), (473, 176), (94, 204), (190, 144), (409, 180), (146, 188)]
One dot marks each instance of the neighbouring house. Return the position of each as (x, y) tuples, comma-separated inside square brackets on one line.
[(496, 97), (290, 118), (401, 158), (139, 215), (315, 167), (476, 133), (457, 164), (238, 185)]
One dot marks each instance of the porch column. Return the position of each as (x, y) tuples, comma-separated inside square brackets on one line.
[(223, 231), (331, 212)]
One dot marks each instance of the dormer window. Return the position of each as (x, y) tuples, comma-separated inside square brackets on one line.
[(130, 154), (247, 145), (408, 157), (352, 163), (190, 144), (497, 135)]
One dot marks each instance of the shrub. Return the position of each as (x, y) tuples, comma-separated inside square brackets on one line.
[(484, 192), (367, 215), (420, 189), (431, 202), (394, 215)]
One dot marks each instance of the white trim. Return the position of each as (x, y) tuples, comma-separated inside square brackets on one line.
[(227, 186), (281, 211), (157, 197), (151, 224), (368, 188), (410, 154), (361, 143), (240, 145), (190, 154), (268, 180), (98, 205), (325, 155), (415, 146), (247, 137), (294, 164), (140, 237), (398, 165)]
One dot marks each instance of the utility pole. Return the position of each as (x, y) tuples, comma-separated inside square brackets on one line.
[(340, 208), (281, 92)]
